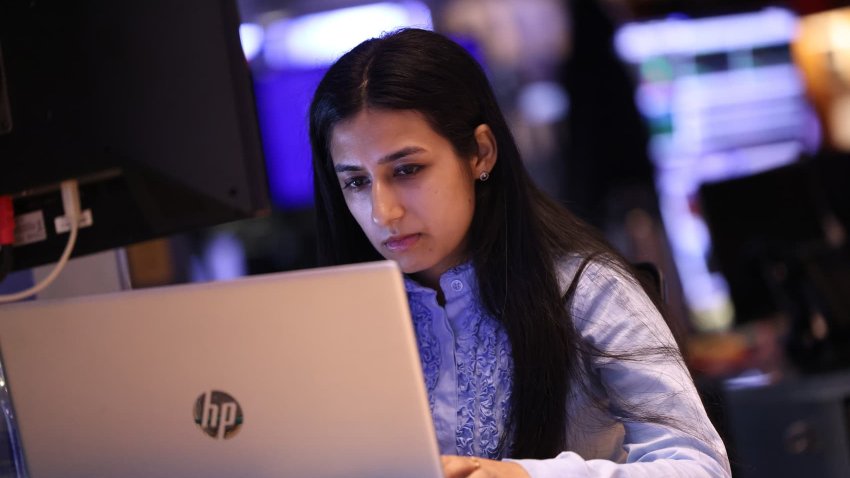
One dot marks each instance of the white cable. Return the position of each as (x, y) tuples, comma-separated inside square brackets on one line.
[(71, 204)]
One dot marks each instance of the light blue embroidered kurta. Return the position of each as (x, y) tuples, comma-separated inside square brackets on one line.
[(467, 364), (466, 360)]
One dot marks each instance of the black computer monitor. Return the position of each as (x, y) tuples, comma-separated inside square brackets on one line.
[(780, 238), (148, 104), (757, 223)]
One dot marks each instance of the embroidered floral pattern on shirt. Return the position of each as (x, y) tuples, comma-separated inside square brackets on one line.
[(429, 347), (484, 383), (483, 366)]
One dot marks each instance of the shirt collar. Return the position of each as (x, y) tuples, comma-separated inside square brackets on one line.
[(464, 272)]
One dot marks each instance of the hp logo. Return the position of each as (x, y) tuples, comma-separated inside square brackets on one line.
[(218, 414)]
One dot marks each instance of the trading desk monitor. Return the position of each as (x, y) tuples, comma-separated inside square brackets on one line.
[(723, 99), (149, 104), (758, 222), (780, 239)]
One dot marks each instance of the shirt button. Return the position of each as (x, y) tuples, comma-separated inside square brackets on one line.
[(457, 285)]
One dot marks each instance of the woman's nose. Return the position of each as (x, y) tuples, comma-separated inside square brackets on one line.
[(386, 207)]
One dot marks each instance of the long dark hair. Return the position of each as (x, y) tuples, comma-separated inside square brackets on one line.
[(518, 234)]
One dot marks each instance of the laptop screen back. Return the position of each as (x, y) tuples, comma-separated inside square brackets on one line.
[(308, 373)]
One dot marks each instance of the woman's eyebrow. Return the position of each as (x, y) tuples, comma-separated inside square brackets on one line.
[(395, 156), (343, 168), (403, 152)]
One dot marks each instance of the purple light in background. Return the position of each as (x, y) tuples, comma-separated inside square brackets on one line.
[(283, 101), (251, 36), (317, 39)]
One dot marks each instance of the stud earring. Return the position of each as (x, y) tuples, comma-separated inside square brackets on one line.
[(484, 176)]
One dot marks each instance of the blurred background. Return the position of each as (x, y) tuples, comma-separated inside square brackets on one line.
[(654, 120), (707, 137), (623, 110)]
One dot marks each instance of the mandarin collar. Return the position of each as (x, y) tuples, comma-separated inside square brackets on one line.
[(457, 279)]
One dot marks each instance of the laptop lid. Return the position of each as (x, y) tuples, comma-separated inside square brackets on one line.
[(307, 373)]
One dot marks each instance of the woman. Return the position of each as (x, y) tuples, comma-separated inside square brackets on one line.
[(542, 354)]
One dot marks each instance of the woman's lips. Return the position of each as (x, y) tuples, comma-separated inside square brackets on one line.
[(401, 243)]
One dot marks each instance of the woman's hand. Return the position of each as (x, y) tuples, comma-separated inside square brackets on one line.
[(474, 467)]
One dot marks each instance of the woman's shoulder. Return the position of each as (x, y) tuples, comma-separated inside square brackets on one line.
[(592, 269), (605, 298)]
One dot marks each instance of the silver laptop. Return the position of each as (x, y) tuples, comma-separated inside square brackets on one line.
[(309, 373)]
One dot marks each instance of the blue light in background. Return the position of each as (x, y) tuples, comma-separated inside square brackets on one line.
[(318, 39), (251, 36), (283, 101)]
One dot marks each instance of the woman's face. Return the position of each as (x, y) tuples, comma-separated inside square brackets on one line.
[(408, 189)]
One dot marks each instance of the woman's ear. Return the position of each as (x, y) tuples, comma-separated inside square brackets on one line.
[(487, 153)]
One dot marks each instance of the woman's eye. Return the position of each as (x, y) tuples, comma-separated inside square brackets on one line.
[(354, 183), (407, 169)]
